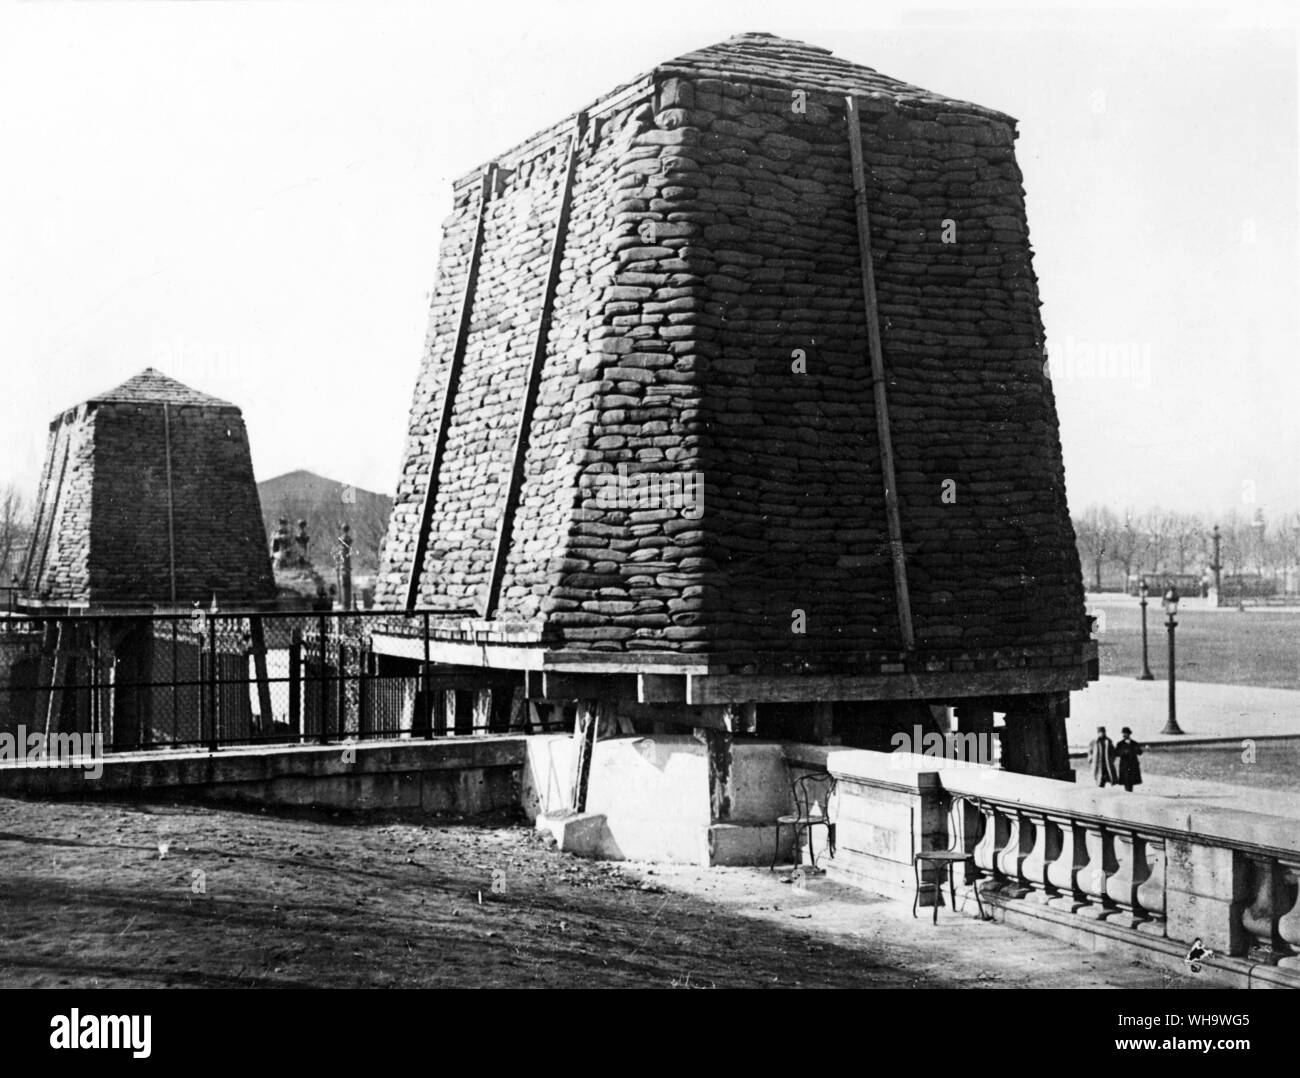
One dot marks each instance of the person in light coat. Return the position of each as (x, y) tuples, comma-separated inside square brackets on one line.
[(1101, 757)]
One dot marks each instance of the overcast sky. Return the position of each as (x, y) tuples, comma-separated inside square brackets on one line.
[(249, 196)]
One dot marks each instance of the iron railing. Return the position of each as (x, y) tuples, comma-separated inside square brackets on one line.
[(213, 679)]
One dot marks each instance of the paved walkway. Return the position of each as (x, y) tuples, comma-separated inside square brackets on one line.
[(1209, 715), (960, 951), (1205, 711), (1191, 602)]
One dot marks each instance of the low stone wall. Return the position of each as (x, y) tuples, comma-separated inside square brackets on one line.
[(467, 776), (1109, 871)]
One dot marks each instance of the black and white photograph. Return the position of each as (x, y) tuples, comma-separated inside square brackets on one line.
[(584, 495)]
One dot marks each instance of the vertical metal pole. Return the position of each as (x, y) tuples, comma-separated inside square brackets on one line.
[(342, 687), (295, 684), (94, 686), (213, 733), (1146, 674), (345, 568), (1172, 726), (175, 677), (424, 681), (323, 694), (363, 690)]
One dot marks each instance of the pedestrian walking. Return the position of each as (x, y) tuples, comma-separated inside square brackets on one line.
[(1101, 756), (1128, 772)]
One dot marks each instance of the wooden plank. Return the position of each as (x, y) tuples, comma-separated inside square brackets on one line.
[(58, 672), (515, 481), (465, 681), (878, 376), (585, 732), (448, 399), (47, 470), (823, 721), (52, 522), (258, 634), (718, 745), (660, 689), (548, 685), (734, 688)]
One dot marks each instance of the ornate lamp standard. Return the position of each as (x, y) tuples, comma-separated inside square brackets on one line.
[(1143, 590), (1171, 608)]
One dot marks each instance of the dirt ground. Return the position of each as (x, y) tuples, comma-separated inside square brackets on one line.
[(107, 895)]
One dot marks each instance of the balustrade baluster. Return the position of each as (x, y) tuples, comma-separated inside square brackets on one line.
[(986, 850), (1151, 891), (1092, 880), (1011, 854), (1259, 918), (1122, 883), (1043, 846), (1288, 924), (1063, 869)]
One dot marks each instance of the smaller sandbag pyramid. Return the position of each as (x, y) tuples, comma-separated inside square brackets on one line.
[(148, 498)]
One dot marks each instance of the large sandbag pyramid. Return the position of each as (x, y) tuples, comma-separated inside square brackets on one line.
[(148, 499), (666, 295)]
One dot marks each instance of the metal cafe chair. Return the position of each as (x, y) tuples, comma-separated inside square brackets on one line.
[(811, 795), (955, 854)]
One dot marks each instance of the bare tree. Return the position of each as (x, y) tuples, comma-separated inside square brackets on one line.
[(1188, 540), (1233, 543), (1094, 533), (1156, 528), (1130, 543), (14, 529)]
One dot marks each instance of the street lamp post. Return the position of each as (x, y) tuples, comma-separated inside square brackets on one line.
[(1143, 590), (1171, 608)]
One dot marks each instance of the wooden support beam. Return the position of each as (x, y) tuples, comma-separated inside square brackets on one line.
[(448, 398), (660, 689), (52, 522), (823, 721), (584, 735), (878, 376), (58, 674), (38, 525), (734, 688), (482, 711), (674, 718), (258, 634), (549, 685), (520, 712), (532, 381), (718, 746)]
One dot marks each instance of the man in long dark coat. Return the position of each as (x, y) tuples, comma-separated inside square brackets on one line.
[(1128, 772), (1101, 756)]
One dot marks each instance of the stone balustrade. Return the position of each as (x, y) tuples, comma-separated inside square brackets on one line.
[(1080, 861)]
